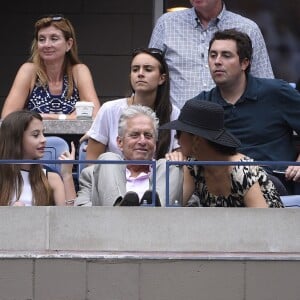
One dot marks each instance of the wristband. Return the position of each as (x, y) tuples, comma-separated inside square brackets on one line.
[(62, 117)]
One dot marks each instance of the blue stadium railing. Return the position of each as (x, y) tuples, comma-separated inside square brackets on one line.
[(292, 201), (48, 162)]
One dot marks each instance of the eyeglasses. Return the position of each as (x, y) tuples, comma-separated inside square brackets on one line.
[(147, 50)]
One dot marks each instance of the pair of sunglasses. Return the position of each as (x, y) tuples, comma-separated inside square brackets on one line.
[(57, 17)]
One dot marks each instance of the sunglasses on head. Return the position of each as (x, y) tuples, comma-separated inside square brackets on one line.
[(57, 17)]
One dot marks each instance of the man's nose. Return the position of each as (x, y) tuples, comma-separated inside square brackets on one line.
[(142, 136), (218, 59)]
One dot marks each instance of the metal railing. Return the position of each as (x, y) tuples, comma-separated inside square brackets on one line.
[(220, 163), (48, 162), (152, 163)]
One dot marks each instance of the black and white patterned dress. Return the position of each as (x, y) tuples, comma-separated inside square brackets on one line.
[(242, 178)]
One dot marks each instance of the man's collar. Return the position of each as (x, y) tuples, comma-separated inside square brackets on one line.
[(250, 92), (197, 21), (251, 88)]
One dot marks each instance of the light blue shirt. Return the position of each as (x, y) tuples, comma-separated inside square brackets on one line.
[(185, 43)]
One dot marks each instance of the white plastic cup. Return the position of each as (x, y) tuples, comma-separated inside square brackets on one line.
[(84, 110)]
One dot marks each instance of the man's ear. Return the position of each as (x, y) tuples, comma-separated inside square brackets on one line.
[(120, 142), (245, 63)]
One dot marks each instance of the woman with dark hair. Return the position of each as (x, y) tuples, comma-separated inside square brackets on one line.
[(53, 79), (203, 137), (22, 137), (149, 80)]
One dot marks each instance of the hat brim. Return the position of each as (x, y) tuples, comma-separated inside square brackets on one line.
[(221, 137)]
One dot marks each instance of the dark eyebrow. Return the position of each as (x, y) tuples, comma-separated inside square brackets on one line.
[(222, 52), (147, 65), (37, 131)]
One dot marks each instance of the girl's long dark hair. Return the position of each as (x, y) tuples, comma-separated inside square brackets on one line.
[(11, 147)]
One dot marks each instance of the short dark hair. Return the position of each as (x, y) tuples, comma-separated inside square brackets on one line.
[(243, 43)]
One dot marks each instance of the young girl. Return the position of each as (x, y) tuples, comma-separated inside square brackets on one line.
[(22, 137)]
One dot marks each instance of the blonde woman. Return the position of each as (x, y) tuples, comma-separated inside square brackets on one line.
[(53, 79)]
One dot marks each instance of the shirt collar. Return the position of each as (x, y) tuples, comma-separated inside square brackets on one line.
[(222, 13), (251, 89), (214, 21), (249, 94)]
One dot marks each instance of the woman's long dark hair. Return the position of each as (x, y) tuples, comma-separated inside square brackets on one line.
[(162, 104)]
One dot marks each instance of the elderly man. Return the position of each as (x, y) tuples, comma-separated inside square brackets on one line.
[(121, 184)]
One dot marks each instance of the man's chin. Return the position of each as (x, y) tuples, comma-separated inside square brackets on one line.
[(141, 157)]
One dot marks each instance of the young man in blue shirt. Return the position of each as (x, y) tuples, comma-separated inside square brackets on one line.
[(262, 113)]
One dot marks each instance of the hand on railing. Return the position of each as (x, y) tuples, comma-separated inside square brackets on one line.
[(293, 173)]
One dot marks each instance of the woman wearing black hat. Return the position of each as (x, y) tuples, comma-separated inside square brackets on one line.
[(202, 136)]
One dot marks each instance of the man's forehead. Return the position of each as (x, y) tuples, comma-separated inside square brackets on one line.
[(140, 120), (223, 45)]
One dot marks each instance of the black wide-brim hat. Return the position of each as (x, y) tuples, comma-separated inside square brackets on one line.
[(205, 119)]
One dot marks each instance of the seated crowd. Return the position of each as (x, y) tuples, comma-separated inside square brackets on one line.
[(241, 120)]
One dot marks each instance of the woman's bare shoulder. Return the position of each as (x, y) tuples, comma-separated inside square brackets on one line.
[(79, 68), (28, 67)]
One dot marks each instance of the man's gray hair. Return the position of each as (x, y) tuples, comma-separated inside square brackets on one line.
[(137, 110)]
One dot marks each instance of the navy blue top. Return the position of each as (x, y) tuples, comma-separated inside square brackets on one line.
[(263, 118), (41, 101)]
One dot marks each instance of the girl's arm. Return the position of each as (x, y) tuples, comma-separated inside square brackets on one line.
[(63, 184), (67, 175), (58, 188)]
